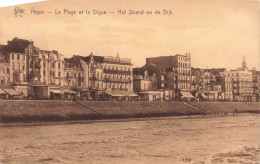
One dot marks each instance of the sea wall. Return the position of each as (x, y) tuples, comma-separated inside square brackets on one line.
[(55, 110)]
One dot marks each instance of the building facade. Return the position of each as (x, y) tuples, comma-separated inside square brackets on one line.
[(106, 73), (180, 64), (18, 67), (227, 87), (73, 72), (256, 84), (242, 83), (45, 67), (4, 70), (4, 73)]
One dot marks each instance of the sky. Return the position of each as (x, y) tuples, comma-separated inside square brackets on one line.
[(217, 33)]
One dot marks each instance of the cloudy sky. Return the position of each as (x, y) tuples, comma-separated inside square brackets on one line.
[(217, 33)]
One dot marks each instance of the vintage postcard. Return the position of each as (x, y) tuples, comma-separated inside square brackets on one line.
[(140, 81)]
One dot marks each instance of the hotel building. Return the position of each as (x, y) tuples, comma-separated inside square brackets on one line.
[(106, 73), (242, 83), (45, 67)]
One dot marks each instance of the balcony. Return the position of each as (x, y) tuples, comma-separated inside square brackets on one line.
[(117, 71), (117, 80), (93, 78), (69, 77)]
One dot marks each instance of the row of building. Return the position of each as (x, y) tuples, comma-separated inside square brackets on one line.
[(26, 71)]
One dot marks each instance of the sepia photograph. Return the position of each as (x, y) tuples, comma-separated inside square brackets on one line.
[(138, 81)]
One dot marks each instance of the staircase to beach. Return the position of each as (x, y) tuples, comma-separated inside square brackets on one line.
[(197, 108)]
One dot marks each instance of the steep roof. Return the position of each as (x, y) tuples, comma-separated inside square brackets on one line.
[(151, 68), (17, 45), (216, 71), (75, 60), (96, 58)]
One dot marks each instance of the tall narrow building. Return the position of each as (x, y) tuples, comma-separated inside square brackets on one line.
[(242, 83), (180, 64)]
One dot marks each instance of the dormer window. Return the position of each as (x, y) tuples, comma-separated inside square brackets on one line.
[(146, 75)]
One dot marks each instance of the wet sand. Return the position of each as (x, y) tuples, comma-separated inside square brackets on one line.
[(196, 139)]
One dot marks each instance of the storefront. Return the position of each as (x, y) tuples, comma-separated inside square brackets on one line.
[(3, 94), (152, 96), (11, 94), (117, 95)]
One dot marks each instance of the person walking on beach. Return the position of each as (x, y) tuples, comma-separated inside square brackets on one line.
[(235, 112)]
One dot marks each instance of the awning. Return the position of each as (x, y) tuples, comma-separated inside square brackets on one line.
[(56, 91), (121, 93), (2, 92), (204, 96), (186, 95), (11, 92), (69, 91)]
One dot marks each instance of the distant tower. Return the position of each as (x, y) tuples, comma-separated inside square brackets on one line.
[(244, 63), (117, 55)]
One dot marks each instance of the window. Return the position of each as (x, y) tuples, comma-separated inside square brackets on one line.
[(12, 56), (59, 65), (18, 57)]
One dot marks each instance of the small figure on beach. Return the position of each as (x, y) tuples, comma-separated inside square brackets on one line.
[(235, 112)]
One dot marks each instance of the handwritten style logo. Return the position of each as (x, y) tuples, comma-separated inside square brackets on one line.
[(18, 12)]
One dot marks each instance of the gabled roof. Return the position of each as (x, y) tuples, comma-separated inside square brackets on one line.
[(241, 69), (151, 68), (216, 71), (75, 60), (99, 59)]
